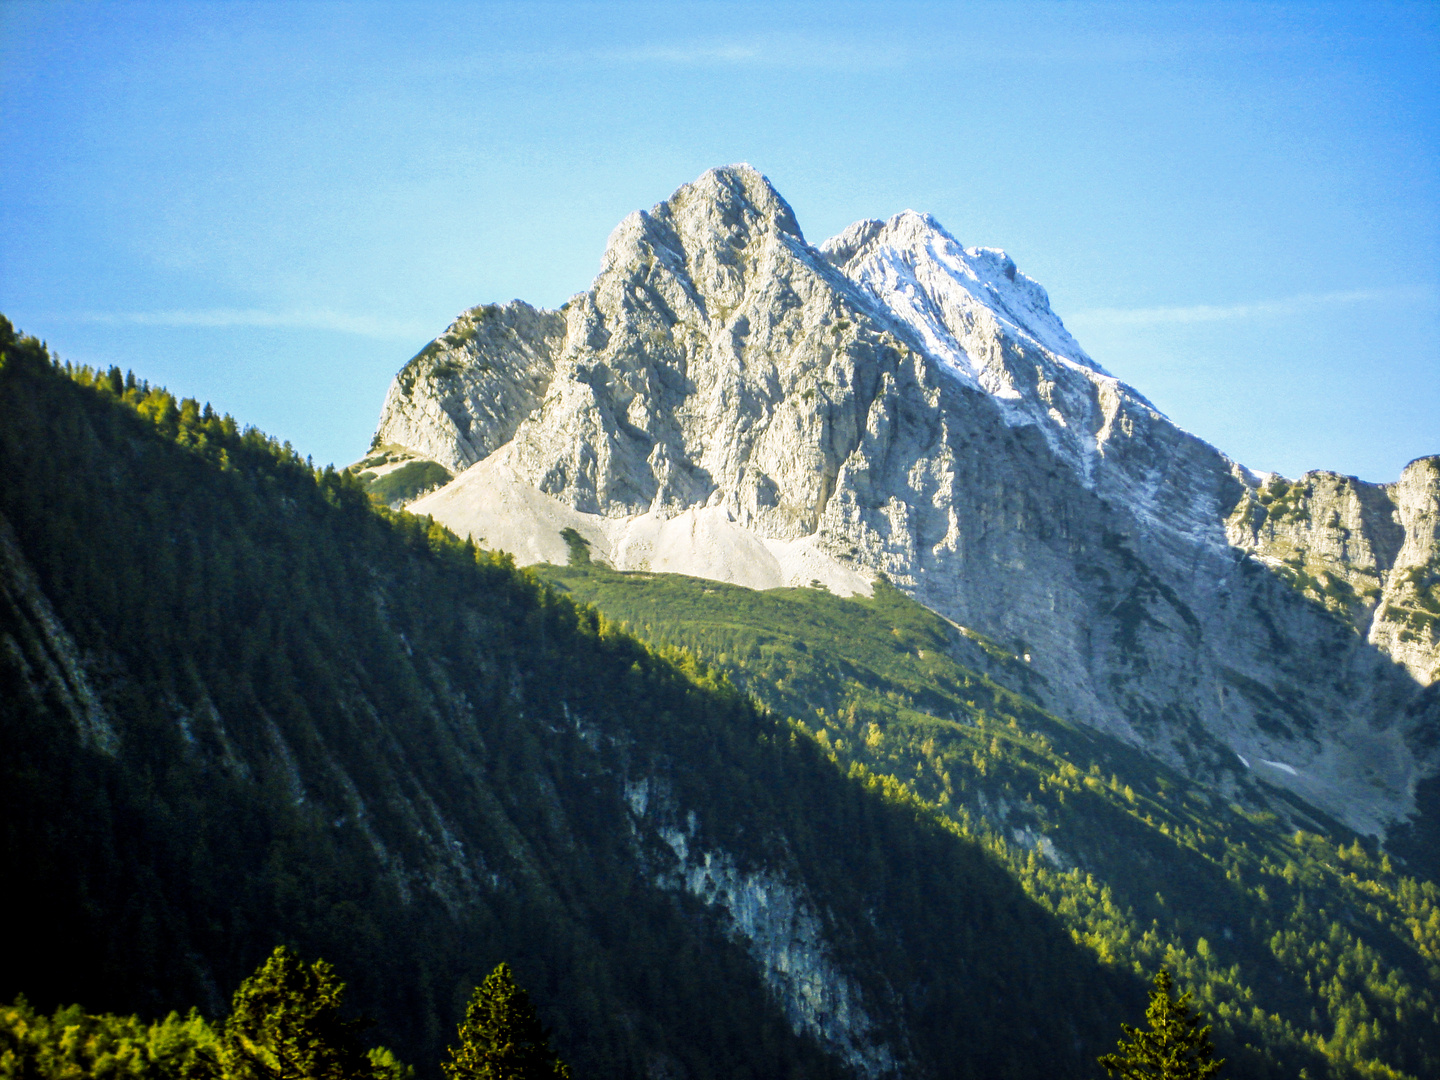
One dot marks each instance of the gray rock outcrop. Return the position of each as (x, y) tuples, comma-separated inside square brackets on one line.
[(1366, 552), (461, 398)]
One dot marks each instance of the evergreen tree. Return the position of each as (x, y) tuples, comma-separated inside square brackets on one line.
[(285, 1024), (72, 1044), (387, 1066), (502, 1038), (1176, 1046)]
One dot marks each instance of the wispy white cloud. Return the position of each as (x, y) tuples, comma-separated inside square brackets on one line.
[(758, 53), (1289, 305), (1062, 44), (221, 318)]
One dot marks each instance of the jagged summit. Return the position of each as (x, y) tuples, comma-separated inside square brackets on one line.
[(728, 401), (912, 255), (992, 328), (721, 215), (732, 198)]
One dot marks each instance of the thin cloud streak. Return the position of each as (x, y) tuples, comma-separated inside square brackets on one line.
[(225, 318), (865, 52), (1206, 313)]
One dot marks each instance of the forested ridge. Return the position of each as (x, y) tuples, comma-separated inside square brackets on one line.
[(1295, 934), (241, 706)]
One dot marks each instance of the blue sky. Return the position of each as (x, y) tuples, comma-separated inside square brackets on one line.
[(271, 206)]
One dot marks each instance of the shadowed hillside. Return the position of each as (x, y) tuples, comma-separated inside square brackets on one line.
[(241, 706), (1295, 933)]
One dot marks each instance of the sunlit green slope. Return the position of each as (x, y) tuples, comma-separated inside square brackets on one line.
[(1306, 942)]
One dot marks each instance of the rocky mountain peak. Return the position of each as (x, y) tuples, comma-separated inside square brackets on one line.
[(991, 328), (727, 208), (701, 247), (727, 401), (941, 287), (733, 200)]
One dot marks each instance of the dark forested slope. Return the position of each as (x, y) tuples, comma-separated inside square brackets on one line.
[(1295, 934), (240, 706)]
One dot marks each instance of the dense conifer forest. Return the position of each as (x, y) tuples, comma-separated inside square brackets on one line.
[(241, 705), (244, 707), (1293, 931)]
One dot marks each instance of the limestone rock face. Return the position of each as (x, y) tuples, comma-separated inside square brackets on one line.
[(718, 361), (1407, 625), (991, 328), (1366, 552), (462, 397), (729, 401)]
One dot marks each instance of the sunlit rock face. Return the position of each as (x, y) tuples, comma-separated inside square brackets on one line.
[(731, 402), (1366, 552), (461, 399)]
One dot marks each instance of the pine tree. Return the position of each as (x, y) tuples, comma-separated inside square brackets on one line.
[(1176, 1046), (285, 1024), (502, 1038)]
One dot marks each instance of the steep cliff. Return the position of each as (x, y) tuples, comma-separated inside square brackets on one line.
[(732, 402), (461, 398), (1366, 552)]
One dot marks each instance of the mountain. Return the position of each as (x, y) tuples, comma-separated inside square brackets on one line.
[(731, 402), (938, 811), (242, 705)]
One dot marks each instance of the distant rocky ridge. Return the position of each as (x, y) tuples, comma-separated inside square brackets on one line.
[(1366, 552), (729, 401)]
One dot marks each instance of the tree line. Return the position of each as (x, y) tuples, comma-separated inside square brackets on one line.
[(286, 1022)]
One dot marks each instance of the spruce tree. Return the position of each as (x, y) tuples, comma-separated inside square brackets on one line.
[(285, 1024), (1175, 1046), (502, 1038)]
